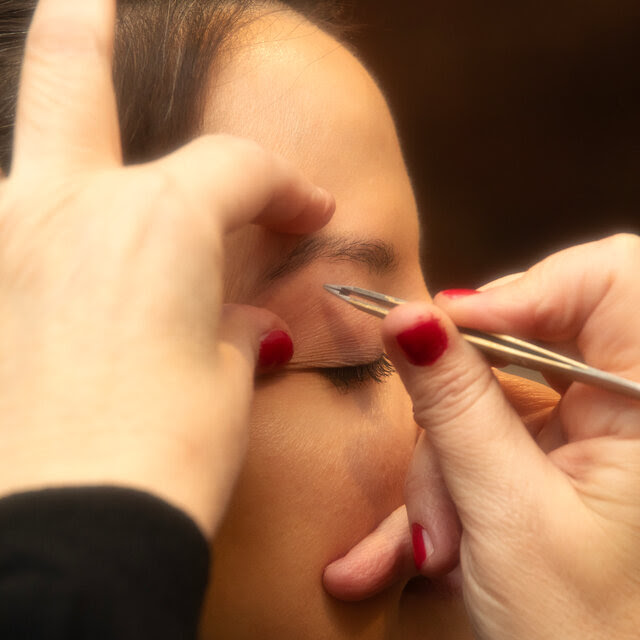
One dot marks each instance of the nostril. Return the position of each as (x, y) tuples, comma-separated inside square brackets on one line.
[(447, 586), (417, 586)]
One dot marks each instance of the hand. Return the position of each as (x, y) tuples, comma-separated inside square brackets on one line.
[(550, 523), (120, 364), (386, 556)]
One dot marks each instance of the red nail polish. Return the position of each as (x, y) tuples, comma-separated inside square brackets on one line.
[(419, 547), (453, 294), (275, 350), (424, 343)]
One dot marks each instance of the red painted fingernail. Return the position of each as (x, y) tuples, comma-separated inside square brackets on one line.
[(424, 343), (458, 293), (275, 350), (422, 545)]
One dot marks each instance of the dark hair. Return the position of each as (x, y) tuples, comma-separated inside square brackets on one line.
[(164, 53)]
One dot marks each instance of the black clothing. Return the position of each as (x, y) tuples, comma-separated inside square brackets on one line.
[(99, 562)]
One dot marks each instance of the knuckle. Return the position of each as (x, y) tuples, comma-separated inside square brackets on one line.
[(172, 213), (251, 153), (243, 145), (551, 319), (593, 269), (233, 153), (451, 394), (624, 248), (235, 145), (621, 262), (165, 202)]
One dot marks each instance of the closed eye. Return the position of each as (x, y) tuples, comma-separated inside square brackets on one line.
[(346, 379)]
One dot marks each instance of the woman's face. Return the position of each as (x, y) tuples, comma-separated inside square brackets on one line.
[(329, 444)]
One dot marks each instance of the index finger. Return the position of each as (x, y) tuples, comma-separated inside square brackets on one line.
[(588, 296), (241, 182), (66, 112)]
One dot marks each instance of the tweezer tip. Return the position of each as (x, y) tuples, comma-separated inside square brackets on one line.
[(336, 289)]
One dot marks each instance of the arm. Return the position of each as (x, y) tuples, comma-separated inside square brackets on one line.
[(99, 562)]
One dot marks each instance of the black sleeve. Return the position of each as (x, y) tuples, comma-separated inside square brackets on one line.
[(99, 562)]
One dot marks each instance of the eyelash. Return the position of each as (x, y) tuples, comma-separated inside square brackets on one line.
[(346, 379)]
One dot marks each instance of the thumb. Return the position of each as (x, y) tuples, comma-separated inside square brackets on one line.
[(383, 558), (487, 457)]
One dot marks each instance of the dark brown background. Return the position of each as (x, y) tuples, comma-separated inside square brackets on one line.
[(519, 120)]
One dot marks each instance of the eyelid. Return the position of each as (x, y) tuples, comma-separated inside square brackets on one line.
[(347, 378), (336, 357)]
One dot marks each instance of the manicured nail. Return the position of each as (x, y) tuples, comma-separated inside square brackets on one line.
[(276, 350), (422, 545), (424, 343), (453, 294)]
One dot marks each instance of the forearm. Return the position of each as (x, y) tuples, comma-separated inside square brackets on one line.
[(99, 562)]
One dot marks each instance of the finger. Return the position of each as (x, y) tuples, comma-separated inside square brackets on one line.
[(486, 455), (244, 183), (249, 339), (242, 332), (66, 113), (383, 558), (512, 277), (428, 502), (253, 339), (461, 293), (583, 295)]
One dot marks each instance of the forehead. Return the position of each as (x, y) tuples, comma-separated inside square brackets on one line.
[(286, 84)]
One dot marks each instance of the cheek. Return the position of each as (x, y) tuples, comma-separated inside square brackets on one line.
[(327, 456), (323, 469)]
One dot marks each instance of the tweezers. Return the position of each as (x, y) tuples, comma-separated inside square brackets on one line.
[(506, 348)]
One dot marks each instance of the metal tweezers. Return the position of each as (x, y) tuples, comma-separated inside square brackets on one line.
[(507, 348)]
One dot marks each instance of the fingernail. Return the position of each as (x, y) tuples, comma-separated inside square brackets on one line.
[(422, 545), (453, 294), (424, 343), (321, 199), (276, 349)]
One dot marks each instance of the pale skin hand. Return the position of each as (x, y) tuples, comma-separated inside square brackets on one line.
[(119, 363), (550, 544)]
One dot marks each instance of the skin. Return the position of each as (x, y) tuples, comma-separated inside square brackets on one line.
[(83, 273), (324, 467), (344, 457), (549, 545)]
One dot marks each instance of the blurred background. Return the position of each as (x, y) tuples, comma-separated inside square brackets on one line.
[(520, 123)]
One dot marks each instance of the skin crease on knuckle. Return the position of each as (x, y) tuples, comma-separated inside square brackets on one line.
[(458, 389)]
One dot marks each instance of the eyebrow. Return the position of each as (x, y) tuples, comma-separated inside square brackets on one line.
[(379, 256)]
